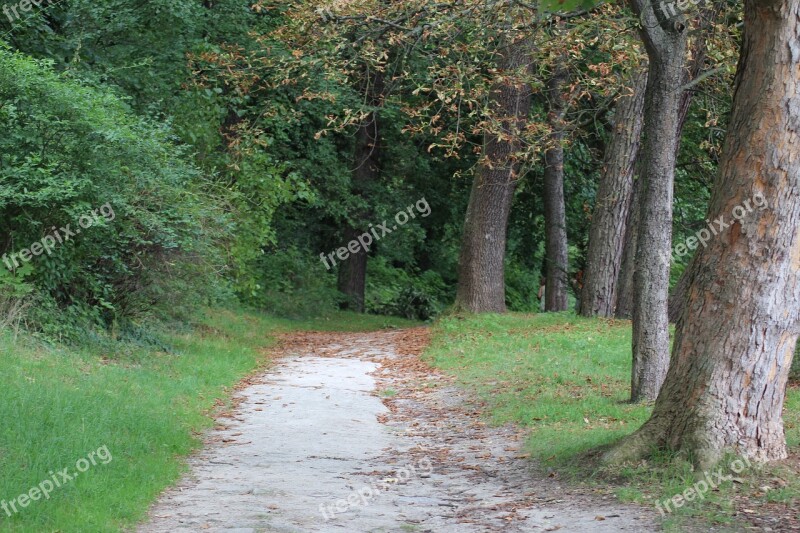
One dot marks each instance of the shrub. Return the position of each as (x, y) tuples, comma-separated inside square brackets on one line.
[(294, 283), (393, 291), (69, 149)]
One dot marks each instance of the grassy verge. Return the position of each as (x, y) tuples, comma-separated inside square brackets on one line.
[(136, 412), (567, 379)]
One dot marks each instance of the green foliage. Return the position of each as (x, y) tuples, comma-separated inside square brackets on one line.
[(522, 287), (69, 150), (394, 291), (149, 56), (294, 284), (251, 109)]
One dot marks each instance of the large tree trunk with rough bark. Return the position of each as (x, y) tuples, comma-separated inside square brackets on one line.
[(352, 280), (665, 41), (613, 203), (481, 277), (735, 341), (555, 212)]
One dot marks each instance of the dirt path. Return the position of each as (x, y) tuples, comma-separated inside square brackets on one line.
[(352, 433)]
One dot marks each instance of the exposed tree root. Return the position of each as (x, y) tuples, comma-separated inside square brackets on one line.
[(631, 448)]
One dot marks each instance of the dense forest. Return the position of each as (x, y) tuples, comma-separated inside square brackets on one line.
[(420, 160), (240, 144)]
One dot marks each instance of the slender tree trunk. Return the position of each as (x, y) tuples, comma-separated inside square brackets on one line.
[(352, 280), (624, 304), (707, 15), (665, 41), (736, 339), (481, 277), (611, 209), (698, 53), (555, 212), (624, 301)]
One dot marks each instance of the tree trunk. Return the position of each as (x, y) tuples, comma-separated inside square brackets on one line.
[(705, 18), (677, 297), (481, 277), (624, 302), (352, 279), (624, 305), (698, 53), (736, 339), (613, 203), (555, 212), (665, 41)]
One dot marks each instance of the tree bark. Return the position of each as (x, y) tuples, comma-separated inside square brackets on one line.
[(665, 41), (352, 280), (624, 302), (699, 51), (613, 204), (735, 341), (677, 297), (555, 212), (481, 277)]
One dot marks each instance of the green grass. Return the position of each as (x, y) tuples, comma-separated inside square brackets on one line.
[(147, 407), (567, 379), (563, 376)]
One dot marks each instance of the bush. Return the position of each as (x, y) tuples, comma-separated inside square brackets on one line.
[(15, 298), (393, 291), (293, 283), (72, 155), (522, 288)]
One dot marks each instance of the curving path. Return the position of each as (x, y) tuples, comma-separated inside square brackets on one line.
[(314, 447)]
